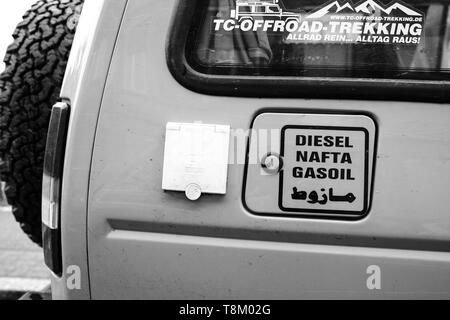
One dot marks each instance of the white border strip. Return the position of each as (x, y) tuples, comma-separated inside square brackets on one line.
[(23, 284)]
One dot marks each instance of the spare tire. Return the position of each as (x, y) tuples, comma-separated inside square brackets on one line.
[(29, 87)]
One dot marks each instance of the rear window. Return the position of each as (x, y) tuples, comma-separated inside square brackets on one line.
[(301, 39)]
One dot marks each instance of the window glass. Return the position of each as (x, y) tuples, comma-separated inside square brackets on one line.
[(372, 38)]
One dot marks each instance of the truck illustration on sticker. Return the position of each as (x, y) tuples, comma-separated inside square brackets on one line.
[(248, 9)]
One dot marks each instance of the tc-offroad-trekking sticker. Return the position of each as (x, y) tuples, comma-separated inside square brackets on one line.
[(368, 21)]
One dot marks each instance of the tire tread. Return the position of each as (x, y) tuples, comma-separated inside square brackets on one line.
[(29, 86)]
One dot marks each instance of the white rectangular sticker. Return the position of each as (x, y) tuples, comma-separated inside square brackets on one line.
[(370, 21), (326, 170)]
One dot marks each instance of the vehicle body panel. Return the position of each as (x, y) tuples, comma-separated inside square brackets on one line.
[(147, 243), (83, 90), (131, 239), (171, 266)]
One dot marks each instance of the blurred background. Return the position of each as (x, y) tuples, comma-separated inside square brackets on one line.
[(21, 262)]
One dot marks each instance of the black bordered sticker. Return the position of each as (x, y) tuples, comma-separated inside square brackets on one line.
[(326, 170)]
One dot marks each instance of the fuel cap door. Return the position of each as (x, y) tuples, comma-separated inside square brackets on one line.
[(310, 166)]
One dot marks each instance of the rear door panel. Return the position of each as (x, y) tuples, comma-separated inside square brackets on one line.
[(147, 243)]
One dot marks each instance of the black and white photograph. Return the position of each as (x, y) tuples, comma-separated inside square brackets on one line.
[(225, 155)]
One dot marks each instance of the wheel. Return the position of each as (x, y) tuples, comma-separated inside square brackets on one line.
[(29, 86), (246, 18)]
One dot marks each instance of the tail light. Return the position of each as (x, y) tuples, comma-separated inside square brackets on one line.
[(51, 189)]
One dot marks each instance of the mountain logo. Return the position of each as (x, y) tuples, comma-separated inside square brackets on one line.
[(367, 7), (333, 7)]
